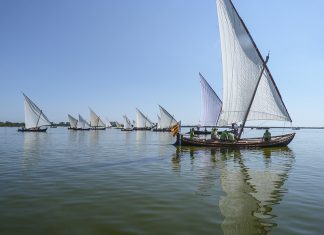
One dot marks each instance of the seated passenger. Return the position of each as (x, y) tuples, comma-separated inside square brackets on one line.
[(267, 135), (213, 134), (224, 136)]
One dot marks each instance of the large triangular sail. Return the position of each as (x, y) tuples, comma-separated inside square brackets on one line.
[(127, 123), (167, 120), (34, 117), (95, 120), (242, 65), (82, 123), (142, 121), (73, 122), (108, 123), (211, 105)]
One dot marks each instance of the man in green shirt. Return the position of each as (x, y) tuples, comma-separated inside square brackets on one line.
[(267, 135), (224, 136)]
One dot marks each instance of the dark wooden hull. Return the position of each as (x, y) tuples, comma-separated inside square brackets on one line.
[(79, 129), (32, 130), (162, 130), (98, 128), (142, 128), (126, 129), (276, 141)]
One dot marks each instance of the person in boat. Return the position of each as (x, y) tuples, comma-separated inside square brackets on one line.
[(267, 135), (231, 137), (213, 134), (224, 136), (192, 133), (235, 129)]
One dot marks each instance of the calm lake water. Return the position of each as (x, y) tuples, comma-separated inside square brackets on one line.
[(113, 182)]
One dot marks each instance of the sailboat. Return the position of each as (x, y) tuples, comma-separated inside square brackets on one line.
[(127, 124), (249, 90), (82, 125), (118, 125), (211, 106), (95, 122), (35, 119), (142, 121), (108, 123), (166, 120), (73, 123)]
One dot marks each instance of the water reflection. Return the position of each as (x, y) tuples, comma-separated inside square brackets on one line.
[(32, 149), (140, 136), (252, 182)]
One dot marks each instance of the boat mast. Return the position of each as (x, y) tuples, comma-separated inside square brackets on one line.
[(254, 93), (40, 114)]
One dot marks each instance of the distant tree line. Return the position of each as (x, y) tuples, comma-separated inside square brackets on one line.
[(21, 124), (12, 124)]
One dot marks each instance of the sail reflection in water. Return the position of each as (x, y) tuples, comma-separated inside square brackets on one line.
[(251, 180), (33, 145)]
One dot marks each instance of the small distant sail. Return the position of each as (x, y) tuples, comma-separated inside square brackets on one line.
[(142, 121), (108, 123), (82, 123), (210, 103), (73, 121), (242, 66), (34, 117), (127, 123), (166, 119), (118, 125), (95, 120)]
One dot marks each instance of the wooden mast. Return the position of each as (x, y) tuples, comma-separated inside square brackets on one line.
[(39, 118), (254, 93)]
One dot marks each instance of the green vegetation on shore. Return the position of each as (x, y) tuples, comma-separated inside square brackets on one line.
[(11, 124), (21, 124)]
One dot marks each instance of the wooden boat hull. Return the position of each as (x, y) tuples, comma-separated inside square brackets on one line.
[(79, 129), (162, 130), (142, 128), (32, 130), (126, 129), (276, 141), (98, 128)]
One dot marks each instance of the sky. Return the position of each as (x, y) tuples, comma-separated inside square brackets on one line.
[(115, 56)]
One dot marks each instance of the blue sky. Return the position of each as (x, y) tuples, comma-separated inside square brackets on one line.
[(114, 56)]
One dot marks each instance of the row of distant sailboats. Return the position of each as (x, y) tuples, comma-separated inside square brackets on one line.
[(36, 120), (249, 93)]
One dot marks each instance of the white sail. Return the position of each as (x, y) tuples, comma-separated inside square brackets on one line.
[(95, 120), (82, 123), (166, 119), (242, 65), (34, 117), (73, 122), (127, 123), (149, 123), (108, 123), (118, 124), (141, 120), (210, 103)]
